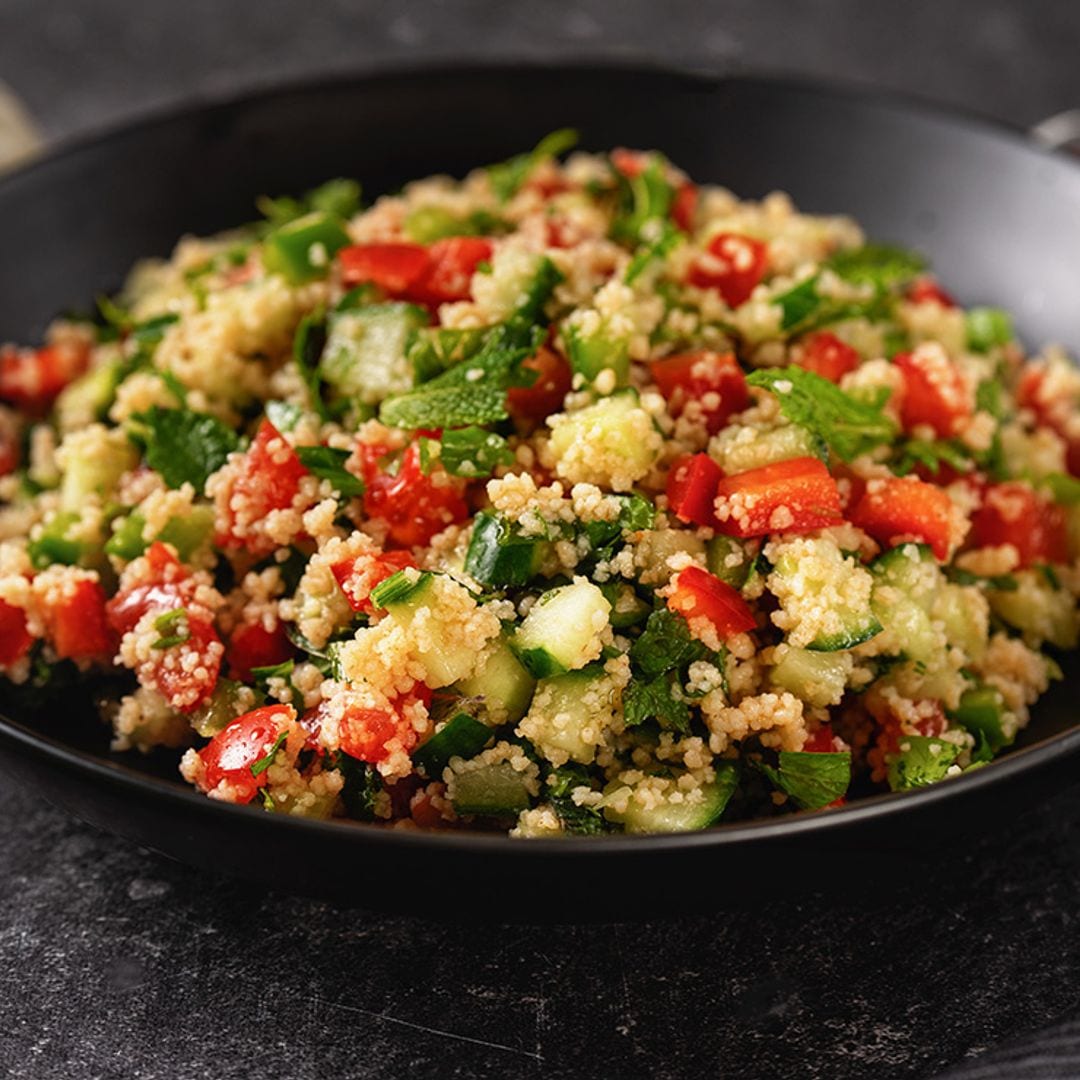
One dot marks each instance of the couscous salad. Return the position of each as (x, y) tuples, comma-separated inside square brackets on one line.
[(569, 498)]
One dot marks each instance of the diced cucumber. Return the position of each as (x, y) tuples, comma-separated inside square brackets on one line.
[(627, 608), (729, 560), (219, 711), (88, 398), (503, 683), (461, 736), (798, 576), (685, 815), (1038, 609), (443, 655), (590, 354), (499, 555), (906, 580), (612, 430), (561, 631), (656, 546), (818, 678), (495, 790), (964, 613), (739, 454), (568, 713), (365, 353), (89, 476)]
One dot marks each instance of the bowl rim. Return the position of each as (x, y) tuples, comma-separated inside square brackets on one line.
[(116, 773)]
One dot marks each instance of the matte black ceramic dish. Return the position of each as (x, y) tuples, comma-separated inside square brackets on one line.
[(999, 218)]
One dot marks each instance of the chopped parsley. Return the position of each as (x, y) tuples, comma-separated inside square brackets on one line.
[(881, 265), (666, 645), (284, 670), (328, 463), (811, 780), (656, 700), (578, 819), (173, 627), (264, 763), (507, 177), (470, 452), (185, 447), (921, 760)]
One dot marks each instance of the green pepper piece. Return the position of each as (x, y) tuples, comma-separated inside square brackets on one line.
[(302, 250)]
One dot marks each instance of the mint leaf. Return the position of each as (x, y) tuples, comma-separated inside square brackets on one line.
[(435, 350), (849, 426), (881, 265), (921, 760), (666, 645), (811, 780), (507, 177), (654, 701), (581, 820), (184, 446), (328, 463), (798, 303)]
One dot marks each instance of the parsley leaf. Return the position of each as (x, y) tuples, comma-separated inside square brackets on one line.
[(184, 446), (666, 645), (328, 463), (507, 177), (655, 701), (581, 820), (264, 763), (284, 670), (812, 780), (925, 761), (362, 785), (469, 452), (881, 265), (851, 427), (654, 251), (644, 198), (339, 197)]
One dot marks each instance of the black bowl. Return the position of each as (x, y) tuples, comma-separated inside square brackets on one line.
[(999, 218)]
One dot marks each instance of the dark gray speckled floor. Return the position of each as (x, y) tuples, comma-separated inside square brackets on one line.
[(116, 963)]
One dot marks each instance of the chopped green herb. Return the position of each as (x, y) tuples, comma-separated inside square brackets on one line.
[(986, 328), (931, 455), (1064, 489), (850, 427), (811, 780), (580, 820), (654, 251), (881, 265), (284, 670), (175, 620), (666, 645), (643, 199), (655, 700), (328, 463), (308, 347), (264, 763), (398, 588), (921, 760), (507, 177), (471, 452), (283, 414), (184, 446)]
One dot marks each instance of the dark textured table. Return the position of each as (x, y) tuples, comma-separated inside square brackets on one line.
[(116, 963)]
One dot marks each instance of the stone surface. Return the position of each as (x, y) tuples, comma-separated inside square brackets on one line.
[(117, 963)]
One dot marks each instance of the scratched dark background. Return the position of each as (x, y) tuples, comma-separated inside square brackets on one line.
[(116, 963)]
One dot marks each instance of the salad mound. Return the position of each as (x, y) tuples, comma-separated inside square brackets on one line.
[(568, 498)]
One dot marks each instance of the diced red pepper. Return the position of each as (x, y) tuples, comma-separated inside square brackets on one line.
[(546, 394), (77, 624), (898, 511), (358, 576), (15, 639), (684, 206), (415, 507), (1012, 513), (926, 290), (794, 496), (826, 355), (691, 489), (934, 393), (9, 443), (251, 645), (732, 264), (395, 268), (30, 379), (713, 380), (186, 674), (166, 585), (453, 262), (268, 478), (698, 594), (364, 733), (231, 753)]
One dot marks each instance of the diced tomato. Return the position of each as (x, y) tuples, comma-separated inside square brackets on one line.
[(30, 379), (267, 478), (15, 639), (165, 586), (826, 355), (733, 265), (395, 268), (186, 674), (1052, 410), (453, 262), (630, 163), (684, 206), (897, 511), (9, 442), (1012, 513), (358, 576), (700, 595), (713, 380), (253, 646), (231, 753), (415, 506), (823, 741), (546, 394), (77, 624), (792, 496), (935, 393), (423, 811), (926, 290), (691, 489), (364, 733)]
